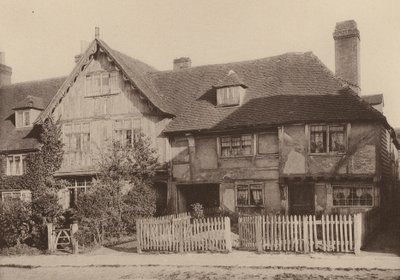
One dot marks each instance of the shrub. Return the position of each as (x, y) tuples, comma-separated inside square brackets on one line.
[(15, 223), (197, 211)]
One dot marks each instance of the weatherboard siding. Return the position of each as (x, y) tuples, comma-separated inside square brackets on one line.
[(101, 112)]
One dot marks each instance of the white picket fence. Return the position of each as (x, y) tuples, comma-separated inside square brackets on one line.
[(331, 233), (183, 234)]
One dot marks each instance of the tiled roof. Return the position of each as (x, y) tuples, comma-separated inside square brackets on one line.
[(10, 96), (373, 99), (230, 80), (30, 102)]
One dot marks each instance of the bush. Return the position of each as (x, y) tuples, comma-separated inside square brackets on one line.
[(15, 223), (20, 249), (197, 211)]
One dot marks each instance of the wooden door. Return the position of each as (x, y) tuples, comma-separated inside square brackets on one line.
[(301, 199)]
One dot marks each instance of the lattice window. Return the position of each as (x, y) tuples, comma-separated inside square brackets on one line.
[(249, 195), (353, 195), (240, 145), (77, 137)]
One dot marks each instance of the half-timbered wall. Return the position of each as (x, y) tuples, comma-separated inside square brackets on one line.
[(89, 121)]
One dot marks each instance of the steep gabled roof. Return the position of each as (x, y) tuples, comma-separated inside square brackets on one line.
[(373, 99), (11, 138), (133, 70)]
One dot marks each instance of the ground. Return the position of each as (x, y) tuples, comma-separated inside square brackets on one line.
[(189, 272)]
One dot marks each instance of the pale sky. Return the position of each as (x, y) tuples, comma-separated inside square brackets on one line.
[(41, 38)]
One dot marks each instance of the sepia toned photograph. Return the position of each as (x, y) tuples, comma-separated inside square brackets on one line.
[(215, 139)]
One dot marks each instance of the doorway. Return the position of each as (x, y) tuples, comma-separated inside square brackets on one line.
[(205, 194), (301, 199)]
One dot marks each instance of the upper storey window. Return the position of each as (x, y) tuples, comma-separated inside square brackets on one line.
[(102, 83), (327, 138), (230, 90), (23, 118), (16, 165)]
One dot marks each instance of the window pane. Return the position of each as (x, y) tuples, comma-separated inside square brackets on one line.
[(17, 160), (318, 139), (242, 195), (19, 122), (267, 143), (256, 195), (336, 139), (26, 118)]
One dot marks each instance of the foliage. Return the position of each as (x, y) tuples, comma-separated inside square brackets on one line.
[(122, 192), (23, 222), (197, 211), (15, 222), (20, 249)]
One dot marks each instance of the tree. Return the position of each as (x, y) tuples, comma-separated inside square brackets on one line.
[(123, 190)]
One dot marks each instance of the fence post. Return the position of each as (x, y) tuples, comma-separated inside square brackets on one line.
[(228, 240), (305, 234), (357, 233), (74, 229), (50, 241), (139, 235), (257, 221)]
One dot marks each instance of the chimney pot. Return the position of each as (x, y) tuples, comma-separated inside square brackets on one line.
[(97, 32), (347, 53), (182, 63)]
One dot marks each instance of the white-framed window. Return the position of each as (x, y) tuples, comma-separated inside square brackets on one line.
[(24, 195), (22, 118), (236, 145), (127, 130), (77, 187), (77, 137), (327, 139), (16, 165), (102, 83), (354, 195), (250, 194), (228, 96)]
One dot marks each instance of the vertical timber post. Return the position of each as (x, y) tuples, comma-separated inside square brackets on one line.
[(139, 235), (357, 233), (50, 241), (74, 229)]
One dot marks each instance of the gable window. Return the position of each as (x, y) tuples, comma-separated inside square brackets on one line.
[(228, 96), (240, 145), (327, 138), (249, 195), (353, 195), (16, 165), (22, 118), (127, 131), (102, 83), (77, 137)]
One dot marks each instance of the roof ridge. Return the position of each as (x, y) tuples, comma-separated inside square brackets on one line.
[(230, 63), (33, 81)]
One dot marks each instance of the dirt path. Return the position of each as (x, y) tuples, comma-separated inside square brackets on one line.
[(188, 272)]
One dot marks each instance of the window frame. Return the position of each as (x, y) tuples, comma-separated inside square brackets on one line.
[(23, 115), (355, 187), (220, 143), (258, 143), (224, 93), (249, 186), (112, 87), (11, 170), (23, 195), (71, 136), (75, 190), (328, 139), (135, 132)]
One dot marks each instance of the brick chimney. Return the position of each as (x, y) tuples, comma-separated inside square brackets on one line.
[(182, 63), (347, 53), (5, 71)]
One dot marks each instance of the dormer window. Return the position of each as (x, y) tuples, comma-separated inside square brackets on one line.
[(102, 83), (230, 90), (27, 110), (228, 96), (23, 119)]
